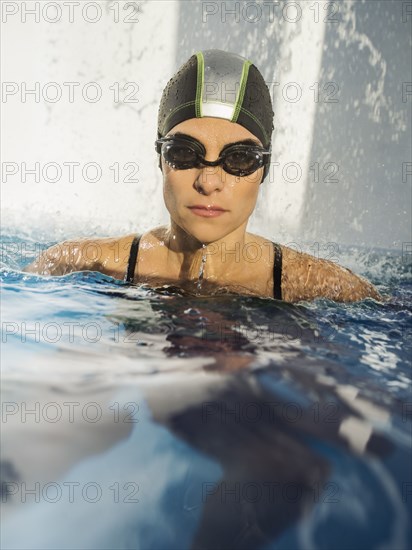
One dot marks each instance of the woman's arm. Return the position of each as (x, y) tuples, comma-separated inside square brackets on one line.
[(108, 255), (307, 277), (63, 258)]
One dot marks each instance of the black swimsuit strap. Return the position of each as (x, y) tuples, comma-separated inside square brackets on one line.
[(131, 266), (277, 272)]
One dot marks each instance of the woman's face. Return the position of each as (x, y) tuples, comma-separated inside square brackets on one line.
[(210, 186)]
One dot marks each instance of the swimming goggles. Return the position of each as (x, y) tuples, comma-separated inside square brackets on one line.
[(184, 152)]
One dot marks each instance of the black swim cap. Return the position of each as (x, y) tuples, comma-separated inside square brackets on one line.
[(216, 83)]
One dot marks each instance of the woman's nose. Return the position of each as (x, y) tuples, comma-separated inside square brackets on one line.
[(210, 178)]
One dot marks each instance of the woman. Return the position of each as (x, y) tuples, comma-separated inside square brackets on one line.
[(217, 106)]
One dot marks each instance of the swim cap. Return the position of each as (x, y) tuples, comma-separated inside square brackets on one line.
[(216, 83)]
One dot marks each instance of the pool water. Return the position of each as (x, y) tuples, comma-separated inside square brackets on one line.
[(135, 418)]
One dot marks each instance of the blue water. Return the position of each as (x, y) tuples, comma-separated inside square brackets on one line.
[(161, 420)]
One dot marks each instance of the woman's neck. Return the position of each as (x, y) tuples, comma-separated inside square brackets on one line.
[(221, 258)]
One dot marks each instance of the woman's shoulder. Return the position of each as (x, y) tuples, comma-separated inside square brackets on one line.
[(306, 277), (111, 253), (114, 252)]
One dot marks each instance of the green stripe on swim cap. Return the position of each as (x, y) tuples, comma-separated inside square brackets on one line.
[(215, 83), (241, 94), (199, 84)]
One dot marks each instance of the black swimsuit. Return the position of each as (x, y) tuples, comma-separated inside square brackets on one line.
[(277, 266)]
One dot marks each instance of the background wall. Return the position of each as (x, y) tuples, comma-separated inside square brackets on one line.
[(338, 73)]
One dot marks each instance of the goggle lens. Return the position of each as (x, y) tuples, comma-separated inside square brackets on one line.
[(180, 155), (242, 162)]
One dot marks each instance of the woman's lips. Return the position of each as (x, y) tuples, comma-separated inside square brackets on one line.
[(206, 212)]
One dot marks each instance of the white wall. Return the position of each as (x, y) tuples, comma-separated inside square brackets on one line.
[(362, 49), (105, 132)]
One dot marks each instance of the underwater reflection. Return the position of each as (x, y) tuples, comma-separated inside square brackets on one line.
[(267, 425)]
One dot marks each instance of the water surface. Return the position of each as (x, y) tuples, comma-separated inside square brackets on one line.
[(161, 420)]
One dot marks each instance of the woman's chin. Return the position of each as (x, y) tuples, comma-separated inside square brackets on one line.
[(203, 230), (205, 233)]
